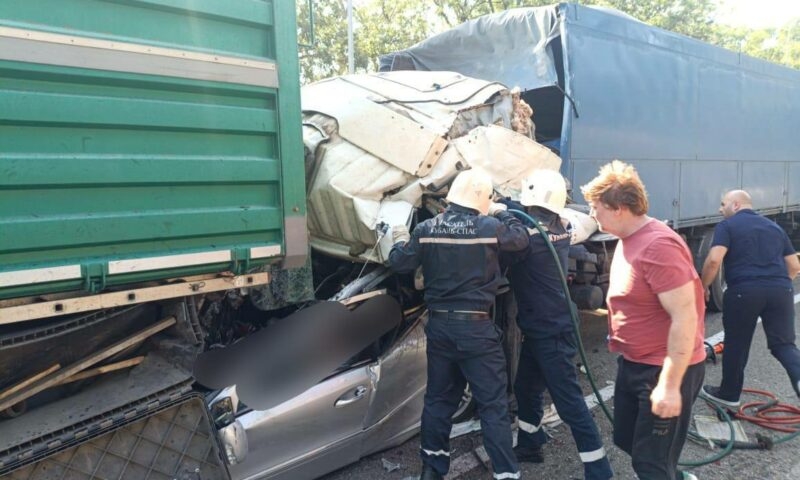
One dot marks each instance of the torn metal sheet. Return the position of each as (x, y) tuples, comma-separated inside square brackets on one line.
[(506, 155), (403, 136), (286, 359), (410, 147)]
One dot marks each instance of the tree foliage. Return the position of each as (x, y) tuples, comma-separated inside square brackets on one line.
[(323, 47), (689, 17), (387, 26), (776, 45), (384, 26)]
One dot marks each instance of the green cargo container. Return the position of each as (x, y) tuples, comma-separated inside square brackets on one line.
[(147, 139)]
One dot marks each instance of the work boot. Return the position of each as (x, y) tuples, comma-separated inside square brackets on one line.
[(428, 473), (529, 454), (711, 394)]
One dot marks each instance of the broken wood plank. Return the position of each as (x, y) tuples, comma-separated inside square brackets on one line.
[(111, 367), (58, 376), (14, 389)]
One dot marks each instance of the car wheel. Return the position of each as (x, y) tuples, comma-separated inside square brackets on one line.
[(466, 407)]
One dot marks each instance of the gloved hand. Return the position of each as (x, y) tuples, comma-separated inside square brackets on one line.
[(400, 234), (495, 208)]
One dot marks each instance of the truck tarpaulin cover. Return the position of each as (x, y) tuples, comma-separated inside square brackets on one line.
[(511, 47)]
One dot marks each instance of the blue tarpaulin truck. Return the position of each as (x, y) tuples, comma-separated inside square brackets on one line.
[(695, 120)]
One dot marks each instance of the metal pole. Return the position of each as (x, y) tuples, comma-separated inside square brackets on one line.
[(350, 51)]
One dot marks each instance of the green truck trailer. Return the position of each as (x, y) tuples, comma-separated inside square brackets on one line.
[(151, 163)]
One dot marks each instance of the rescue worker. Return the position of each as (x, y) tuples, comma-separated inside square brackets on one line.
[(544, 318), (458, 251)]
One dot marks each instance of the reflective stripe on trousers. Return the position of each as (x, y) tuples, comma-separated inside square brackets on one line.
[(527, 427), (436, 453), (501, 476), (593, 456)]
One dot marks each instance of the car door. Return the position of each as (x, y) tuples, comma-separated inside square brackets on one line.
[(396, 408), (311, 434)]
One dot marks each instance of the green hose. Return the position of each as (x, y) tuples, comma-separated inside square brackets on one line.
[(572, 311), (574, 315)]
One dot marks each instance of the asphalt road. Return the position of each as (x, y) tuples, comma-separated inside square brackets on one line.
[(561, 459)]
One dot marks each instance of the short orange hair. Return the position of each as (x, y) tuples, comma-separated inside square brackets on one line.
[(618, 185)]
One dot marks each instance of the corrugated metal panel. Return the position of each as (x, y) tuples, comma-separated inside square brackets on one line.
[(100, 165)]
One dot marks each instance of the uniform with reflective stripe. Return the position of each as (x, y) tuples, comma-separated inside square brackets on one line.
[(548, 347), (458, 251)]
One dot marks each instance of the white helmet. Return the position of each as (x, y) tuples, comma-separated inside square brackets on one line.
[(472, 189), (546, 189)]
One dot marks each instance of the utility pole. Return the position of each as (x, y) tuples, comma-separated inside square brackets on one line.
[(350, 47)]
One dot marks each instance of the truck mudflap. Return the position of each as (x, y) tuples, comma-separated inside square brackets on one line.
[(166, 436)]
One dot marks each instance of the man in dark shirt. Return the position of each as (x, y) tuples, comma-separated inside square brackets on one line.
[(458, 250), (760, 264)]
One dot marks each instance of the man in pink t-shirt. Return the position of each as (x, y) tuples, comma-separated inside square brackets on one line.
[(656, 315)]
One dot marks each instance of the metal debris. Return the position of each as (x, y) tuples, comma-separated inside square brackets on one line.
[(389, 466), (480, 452)]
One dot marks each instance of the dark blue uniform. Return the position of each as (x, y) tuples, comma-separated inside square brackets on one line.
[(758, 286), (458, 251), (548, 346)]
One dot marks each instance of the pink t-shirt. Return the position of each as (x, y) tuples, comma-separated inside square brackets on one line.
[(652, 260)]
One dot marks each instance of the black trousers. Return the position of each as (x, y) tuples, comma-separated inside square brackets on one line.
[(653, 443), (546, 364), (462, 350), (741, 308)]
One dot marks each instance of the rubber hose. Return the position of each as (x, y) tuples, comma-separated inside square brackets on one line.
[(572, 311), (579, 341)]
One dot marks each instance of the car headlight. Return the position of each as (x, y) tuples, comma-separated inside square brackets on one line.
[(234, 442)]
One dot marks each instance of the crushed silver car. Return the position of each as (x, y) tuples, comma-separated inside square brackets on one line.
[(381, 150)]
